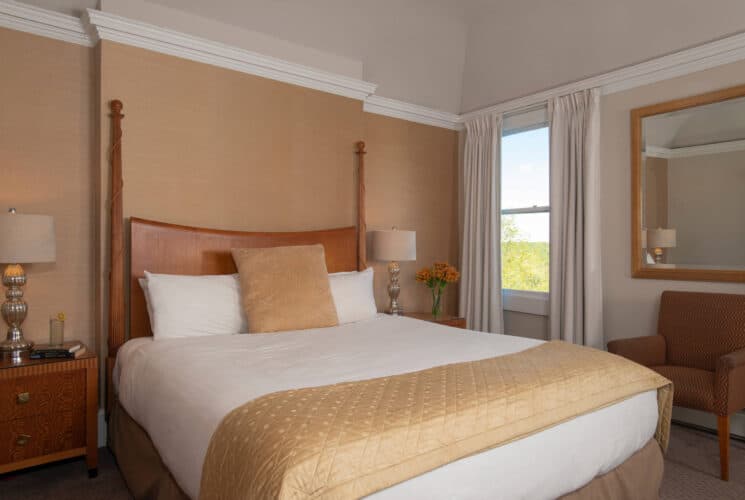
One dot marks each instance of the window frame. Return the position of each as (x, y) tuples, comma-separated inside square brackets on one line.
[(526, 301)]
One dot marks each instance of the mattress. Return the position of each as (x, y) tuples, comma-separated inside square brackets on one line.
[(179, 390)]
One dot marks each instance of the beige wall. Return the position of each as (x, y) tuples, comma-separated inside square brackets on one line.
[(630, 305), (212, 147), (48, 167), (412, 184), (707, 204), (526, 325), (654, 186)]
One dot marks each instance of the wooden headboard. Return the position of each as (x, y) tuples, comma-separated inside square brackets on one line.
[(167, 248)]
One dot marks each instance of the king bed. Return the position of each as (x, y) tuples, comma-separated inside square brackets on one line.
[(385, 407)]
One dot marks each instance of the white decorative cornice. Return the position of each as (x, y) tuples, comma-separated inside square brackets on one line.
[(43, 22), (708, 55), (411, 112), (703, 149), (107, 26), (98, 25)]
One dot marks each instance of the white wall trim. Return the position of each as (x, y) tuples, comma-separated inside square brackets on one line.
[(708, 55), (525, 302), (708, 420), (704, 149), (411, 112), (105, 26), (43, 22), (97, 25)]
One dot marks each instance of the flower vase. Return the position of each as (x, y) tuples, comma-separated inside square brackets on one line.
[(436, 304)]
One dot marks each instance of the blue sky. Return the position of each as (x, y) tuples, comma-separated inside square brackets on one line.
[(525, 180)]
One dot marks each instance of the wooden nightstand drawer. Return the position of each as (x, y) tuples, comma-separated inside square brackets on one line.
[(35, 436), (30, 395), (48, 411)]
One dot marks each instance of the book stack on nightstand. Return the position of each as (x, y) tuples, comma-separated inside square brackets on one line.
[(48, 411), (443, 319)]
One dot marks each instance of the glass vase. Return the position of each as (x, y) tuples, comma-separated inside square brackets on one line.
[(436, 302), (56, 332)]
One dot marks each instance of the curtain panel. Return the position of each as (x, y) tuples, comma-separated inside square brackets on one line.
[(576, 295), (481, 269)]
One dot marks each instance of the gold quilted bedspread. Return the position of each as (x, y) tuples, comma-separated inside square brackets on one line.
[(352, 439)]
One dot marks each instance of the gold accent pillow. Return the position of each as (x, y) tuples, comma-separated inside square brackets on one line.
[(285, 288)]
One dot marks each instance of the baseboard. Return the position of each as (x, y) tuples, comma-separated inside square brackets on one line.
[(709, 420), (101, 427)]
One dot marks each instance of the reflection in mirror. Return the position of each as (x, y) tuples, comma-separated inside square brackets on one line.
[(693, 187)]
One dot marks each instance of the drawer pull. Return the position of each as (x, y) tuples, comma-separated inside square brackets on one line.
[(23, 439), (23, 398)]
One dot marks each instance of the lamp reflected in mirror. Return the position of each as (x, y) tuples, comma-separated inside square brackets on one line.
[(660, 239)]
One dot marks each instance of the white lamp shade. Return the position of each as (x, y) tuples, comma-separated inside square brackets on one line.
[(661, 238), (394, 245), (25, 239)]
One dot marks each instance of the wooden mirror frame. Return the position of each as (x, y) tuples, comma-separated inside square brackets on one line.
[(638, 270)]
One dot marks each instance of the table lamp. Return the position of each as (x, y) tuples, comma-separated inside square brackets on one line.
[(24, 239), (394, 246), (660, 238)]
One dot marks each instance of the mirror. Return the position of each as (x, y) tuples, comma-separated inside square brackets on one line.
[(688, 188)]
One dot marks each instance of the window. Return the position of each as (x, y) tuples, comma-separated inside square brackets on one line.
[(525, 211)]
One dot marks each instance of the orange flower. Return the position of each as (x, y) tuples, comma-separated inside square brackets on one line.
[(438, 275), (424, 275), (451, 275)]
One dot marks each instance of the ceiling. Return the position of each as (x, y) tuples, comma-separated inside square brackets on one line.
[(701, 125)]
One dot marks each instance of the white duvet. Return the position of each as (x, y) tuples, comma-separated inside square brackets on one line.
[(179, 390)]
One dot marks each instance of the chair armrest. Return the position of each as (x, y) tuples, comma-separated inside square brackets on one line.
[(729, 384), (647, 351)]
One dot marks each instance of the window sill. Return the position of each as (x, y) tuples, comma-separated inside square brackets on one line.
[(526, 302)]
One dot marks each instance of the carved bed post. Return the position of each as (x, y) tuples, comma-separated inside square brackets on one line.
[(361, 225), (116, 274), (116, 251)]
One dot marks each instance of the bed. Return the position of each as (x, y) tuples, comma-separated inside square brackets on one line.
[(167, 399)]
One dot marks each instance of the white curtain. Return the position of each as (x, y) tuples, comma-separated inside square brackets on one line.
[(481, 269), (576, 297)]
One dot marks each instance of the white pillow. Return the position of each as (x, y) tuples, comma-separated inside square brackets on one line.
[(353, 295), (194, 306)]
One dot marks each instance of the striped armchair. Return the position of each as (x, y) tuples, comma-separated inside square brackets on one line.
[(700, 346)]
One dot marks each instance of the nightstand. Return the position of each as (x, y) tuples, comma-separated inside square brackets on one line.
[(48, 412), (443, 319)]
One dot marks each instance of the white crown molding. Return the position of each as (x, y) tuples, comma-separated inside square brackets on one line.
[(107, 26), (411, 112), (97, 25), (708, 55), (704, 149), (43, 22)]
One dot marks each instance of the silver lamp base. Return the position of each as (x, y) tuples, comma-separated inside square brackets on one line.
[(14, 311), (394, 289)]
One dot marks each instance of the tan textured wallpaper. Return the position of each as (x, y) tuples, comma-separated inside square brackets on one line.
[(212, 147), (48, 167), (412, 184)]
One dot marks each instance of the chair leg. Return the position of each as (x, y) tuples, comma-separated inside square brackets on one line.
[(723, 432)]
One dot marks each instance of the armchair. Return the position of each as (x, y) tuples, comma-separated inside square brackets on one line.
[(700, 346)]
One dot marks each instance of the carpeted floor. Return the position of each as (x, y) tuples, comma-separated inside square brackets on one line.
[(691, 473)]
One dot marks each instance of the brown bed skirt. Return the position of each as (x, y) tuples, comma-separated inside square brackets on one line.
[(147, 477)]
